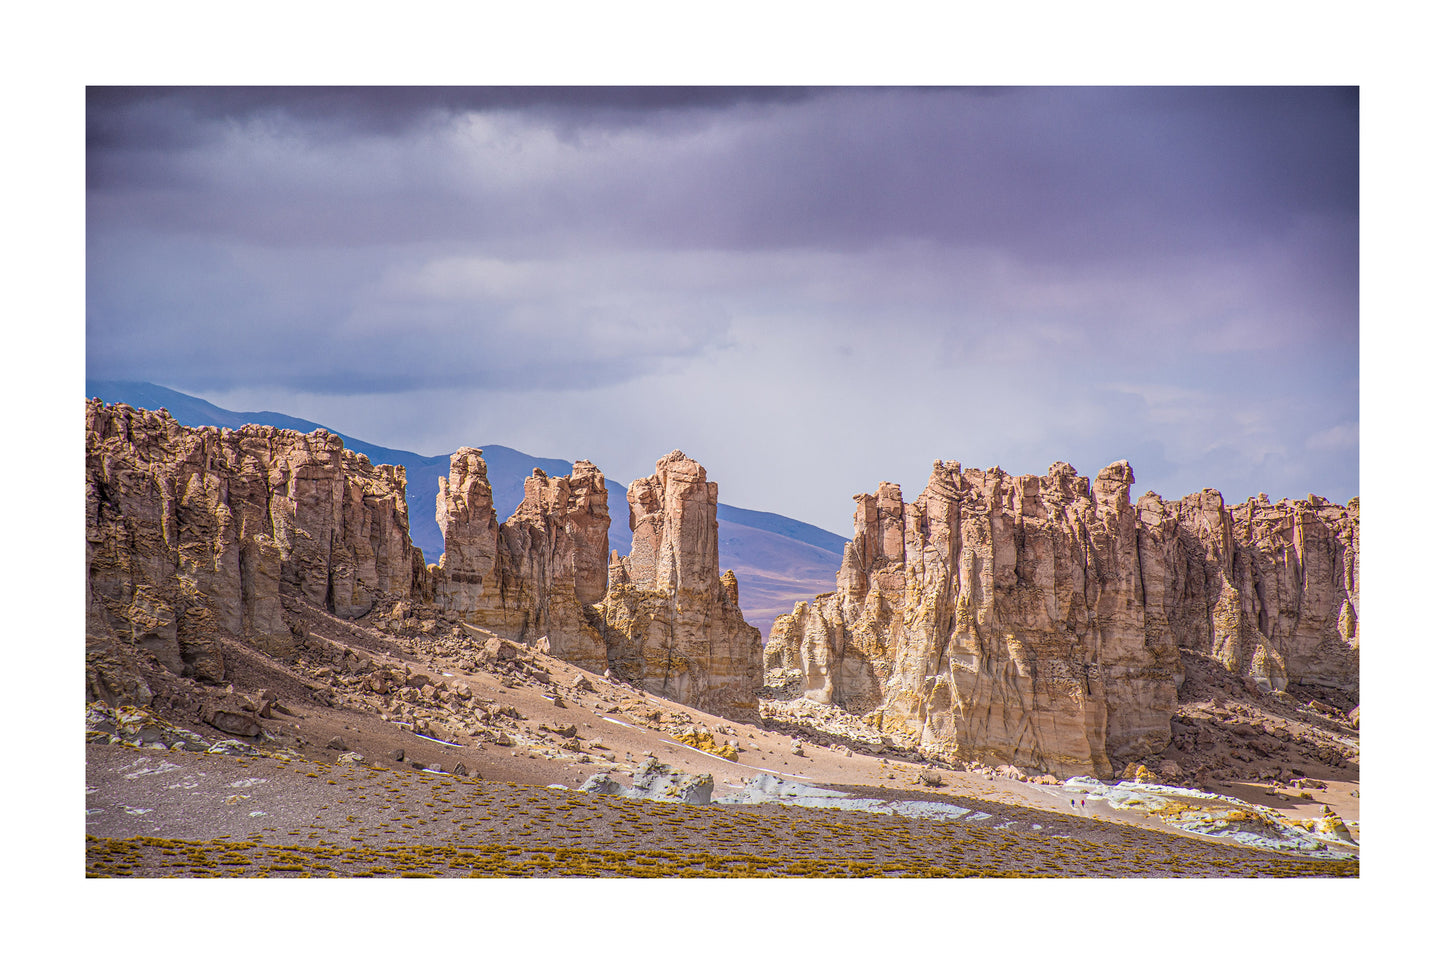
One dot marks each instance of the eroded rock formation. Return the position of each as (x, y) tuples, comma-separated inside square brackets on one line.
[(193, 534), (1268, 589), (1037, 620), (538, 573), (198, 536), (672, 623)]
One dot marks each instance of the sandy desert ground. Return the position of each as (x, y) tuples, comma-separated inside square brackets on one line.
[(477, 772)]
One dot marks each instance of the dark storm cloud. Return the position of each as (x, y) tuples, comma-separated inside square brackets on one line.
[(1057, 174), (1065, 175), (119, 118), (1169, 273), (394, 109)]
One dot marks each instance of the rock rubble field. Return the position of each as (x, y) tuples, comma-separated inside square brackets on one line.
[(345, 780)]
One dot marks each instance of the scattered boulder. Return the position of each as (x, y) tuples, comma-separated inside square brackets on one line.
[(230, 718), (654, 780), (700, 738), (1330, 825), (602, 783)]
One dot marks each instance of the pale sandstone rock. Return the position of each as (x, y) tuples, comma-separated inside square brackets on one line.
[(198, 536), (1038, 620), (672, 622), (535, 576), (193, 534), (1269, 590), (468, 521)]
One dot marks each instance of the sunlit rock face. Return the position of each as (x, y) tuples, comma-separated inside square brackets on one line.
[(537, 574), (196, 537), (193, 536), (672, 623), (1037, 620), (662, 616)]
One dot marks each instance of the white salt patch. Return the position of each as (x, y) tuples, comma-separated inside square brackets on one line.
[(770, 790), (1207, 817), (162, 767)]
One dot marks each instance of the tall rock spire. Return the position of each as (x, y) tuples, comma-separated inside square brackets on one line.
[(673, 625)]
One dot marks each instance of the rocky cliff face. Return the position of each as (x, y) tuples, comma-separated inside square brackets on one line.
[(538, 573), (1269, 590), (193, 535), (197, 537), (672, 622), (1037, 620)]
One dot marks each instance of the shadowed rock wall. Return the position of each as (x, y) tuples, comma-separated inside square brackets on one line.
[(192, 534)]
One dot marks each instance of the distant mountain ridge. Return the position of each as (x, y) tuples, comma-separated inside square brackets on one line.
[(777, 559)]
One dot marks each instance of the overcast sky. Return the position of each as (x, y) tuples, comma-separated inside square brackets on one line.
[(809, 291)]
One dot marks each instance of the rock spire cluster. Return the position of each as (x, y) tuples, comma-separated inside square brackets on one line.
[(193, 536), (1038, 620), (537, 574), (198, 536), (673, 624), (1029, 620)]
